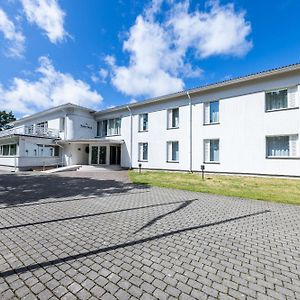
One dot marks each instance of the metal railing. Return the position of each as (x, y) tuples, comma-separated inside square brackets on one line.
[(31, 130)]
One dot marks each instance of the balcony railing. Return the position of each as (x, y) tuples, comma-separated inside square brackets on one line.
[(32, 130)]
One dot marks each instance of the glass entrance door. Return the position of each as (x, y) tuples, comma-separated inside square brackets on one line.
[(115, 155), (95, 155), (98, 155), (102, 155)]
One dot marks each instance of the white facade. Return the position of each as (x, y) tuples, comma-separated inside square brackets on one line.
[(249, 125)]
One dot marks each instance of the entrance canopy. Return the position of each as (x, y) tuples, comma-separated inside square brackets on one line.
[(92, 141)]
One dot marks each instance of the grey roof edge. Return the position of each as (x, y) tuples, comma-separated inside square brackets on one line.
[(50, 110), (204, 88)]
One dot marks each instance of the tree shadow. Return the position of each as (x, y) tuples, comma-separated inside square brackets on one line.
[(20, 189)]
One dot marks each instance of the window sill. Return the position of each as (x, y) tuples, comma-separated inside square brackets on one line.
[(143, 130), (170, 128), (173, 161), (282, 109), (214, 123), (143, 161), (282, 157), (212, 162)]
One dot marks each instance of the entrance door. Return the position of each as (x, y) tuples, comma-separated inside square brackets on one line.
[(102, 155), (115, 155), (95, 155), (98, 155)]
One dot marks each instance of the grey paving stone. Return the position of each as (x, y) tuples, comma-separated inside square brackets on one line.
[(114, 240)]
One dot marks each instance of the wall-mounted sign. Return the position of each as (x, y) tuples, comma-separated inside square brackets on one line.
[(86, 125)]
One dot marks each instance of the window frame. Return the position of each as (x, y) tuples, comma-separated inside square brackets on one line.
[(171, 156), (205, 161), (141, 151), (289, 107), (290, 156), (278, 91), (141, 122), (206, 120), (8, 148), (170, 113), (108, 122)]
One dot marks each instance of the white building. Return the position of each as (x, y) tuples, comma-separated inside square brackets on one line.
[(248, 125)]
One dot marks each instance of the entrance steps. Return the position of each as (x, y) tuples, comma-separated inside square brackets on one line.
[(63, 169), (102, 168)]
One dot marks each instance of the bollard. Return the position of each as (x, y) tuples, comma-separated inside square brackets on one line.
[(140, 168), (202, 171)]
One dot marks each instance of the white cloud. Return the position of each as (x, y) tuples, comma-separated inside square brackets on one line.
[(219, 31), (132, 101), (14, 37), (47, 15), (158, 46), (50, 89), (101, 76)]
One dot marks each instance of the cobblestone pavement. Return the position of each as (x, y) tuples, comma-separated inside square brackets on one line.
[(70, 237)]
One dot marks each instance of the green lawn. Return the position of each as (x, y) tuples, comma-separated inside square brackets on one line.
[(267, 189)]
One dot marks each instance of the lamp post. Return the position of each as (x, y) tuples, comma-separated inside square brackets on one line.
[(202, 171), (140, 168)]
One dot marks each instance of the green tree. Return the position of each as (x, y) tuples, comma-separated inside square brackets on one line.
[(6, 117)]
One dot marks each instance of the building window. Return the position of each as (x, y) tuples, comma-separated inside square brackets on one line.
[(276, 100), (143, 151), (6, 150), (13, 149), (173, 118), (211, 150), (56, 151), (282, 146), (143, 122), (173, 151), (109, 127), (282, 99), (211, 112), (62, 124)]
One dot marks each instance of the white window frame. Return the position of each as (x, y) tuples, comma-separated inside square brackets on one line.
[(170, 113), (141, 122), (293, 146), (62, 125), (170, 152), (207, 151), (9, 149), (141, 151), (292, 98), (207, 111), (110, 131)]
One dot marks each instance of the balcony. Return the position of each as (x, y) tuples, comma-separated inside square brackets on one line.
[(31, 130)]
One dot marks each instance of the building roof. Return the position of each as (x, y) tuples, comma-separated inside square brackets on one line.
[(208, 87), (199, 89), (50, 110)]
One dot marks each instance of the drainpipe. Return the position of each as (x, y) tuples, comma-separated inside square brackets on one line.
[(130, 136), (191, 131)]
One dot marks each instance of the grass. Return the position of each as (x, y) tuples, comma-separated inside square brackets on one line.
[(267, 189)]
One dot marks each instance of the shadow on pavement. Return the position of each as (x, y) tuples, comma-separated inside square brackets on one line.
[(122, 245), (21, 189)]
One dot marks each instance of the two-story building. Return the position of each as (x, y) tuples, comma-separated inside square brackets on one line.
[(247, 125)]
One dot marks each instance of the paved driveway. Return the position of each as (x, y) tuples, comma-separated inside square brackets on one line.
[(98, 237)]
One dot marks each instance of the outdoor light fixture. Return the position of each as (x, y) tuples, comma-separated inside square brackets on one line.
[(140, 168), (202, 171)]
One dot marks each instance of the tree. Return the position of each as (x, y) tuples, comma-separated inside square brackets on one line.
[(6, 117)]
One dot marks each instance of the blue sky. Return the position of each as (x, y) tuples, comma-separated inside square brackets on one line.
[(105, 53)]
